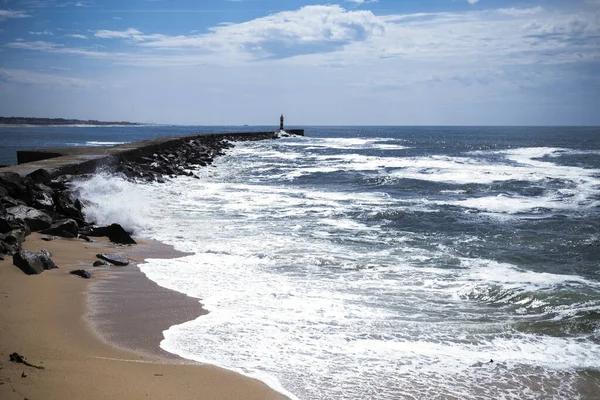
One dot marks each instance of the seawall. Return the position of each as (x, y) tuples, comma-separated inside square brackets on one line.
[(81, 160)]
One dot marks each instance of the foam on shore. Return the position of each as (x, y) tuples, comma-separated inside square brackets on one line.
[(43, 320)]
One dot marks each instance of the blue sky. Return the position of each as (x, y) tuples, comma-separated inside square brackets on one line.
[(225, 62)]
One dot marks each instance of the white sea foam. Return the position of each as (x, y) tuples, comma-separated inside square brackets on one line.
[(350, 144), (580, 187), (98, 143), (303, 292), (519, 204), (94, 143), (110, 199)]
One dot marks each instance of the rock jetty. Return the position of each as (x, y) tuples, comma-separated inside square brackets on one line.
[(44, 202)]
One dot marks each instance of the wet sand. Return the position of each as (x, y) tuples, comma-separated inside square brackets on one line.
[(43, 318)]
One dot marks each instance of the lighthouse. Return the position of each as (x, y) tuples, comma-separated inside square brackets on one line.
[(281, 122)]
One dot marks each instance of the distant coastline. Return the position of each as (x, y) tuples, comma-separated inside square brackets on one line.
[(59, 121)]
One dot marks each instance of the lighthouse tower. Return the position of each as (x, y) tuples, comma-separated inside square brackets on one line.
[(281, 122)]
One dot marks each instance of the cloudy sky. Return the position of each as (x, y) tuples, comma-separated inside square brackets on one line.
[(338, 62)]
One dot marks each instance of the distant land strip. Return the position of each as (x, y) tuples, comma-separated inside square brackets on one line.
[(58, 121)]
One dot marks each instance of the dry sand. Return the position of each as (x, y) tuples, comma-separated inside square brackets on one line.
[(43, 318)]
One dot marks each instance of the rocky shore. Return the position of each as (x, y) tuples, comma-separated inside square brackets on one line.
[(40, 202), (64, 337)]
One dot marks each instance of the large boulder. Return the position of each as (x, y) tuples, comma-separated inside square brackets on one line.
[(46, 260), (29, 262), (9, 223), (82, 273), (67, 207), (36, 220), (64, 228), (114, 232), (15, 236), (11, 181), (33, 263), (42, 197), (10, 249), (40, 176), (114, 259), (8, 202), (43, 201)]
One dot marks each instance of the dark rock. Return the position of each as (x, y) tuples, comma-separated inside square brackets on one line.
[(43, 200), (2, 210), (82, 273), (39, 176), (8, 202), (10, 249), (11, 181), (15, 236), (67, 207), (33, 263), (114, 259), (36, 220), (64, 228), (114, 232), (48, 238), (3, 191), (58, 184), (99, 263), (6, 223), (46, 253), (41, 187), (9, 223), (87, 239), (29, 262), (46, 260)]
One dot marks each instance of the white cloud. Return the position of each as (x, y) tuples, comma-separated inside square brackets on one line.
[(35, 78), (309, 30), (77, 36), (58, 48), (478, 66), (521, 11), (47, 33), (362, 1), (331, 35), (37, 45), (473, 1), (130, 33), (495, 49), (6, 14)]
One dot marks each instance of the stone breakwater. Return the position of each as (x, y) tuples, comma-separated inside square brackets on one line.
[(37, 196)]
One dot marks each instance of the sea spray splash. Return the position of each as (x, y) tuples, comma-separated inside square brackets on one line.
[(110, 198), (354, 270)]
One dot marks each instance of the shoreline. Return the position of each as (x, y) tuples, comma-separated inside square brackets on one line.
[(126, 297), (71, 125), (46, 319)]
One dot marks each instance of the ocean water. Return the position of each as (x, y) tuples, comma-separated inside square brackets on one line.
[(14, 138), (386, 262)]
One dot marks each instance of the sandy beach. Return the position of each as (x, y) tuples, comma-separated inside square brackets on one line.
[(99, 338)]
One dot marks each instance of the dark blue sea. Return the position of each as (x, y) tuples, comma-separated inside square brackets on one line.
[(377, 262)]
